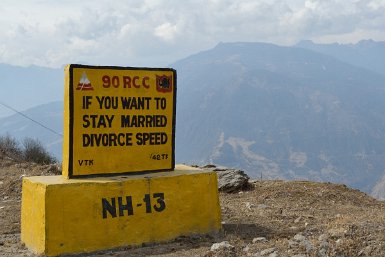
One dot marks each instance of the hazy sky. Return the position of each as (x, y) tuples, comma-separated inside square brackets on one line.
[(156, 33)]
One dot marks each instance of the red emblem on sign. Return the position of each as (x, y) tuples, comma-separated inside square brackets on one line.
[(84, 83), (164, 83)]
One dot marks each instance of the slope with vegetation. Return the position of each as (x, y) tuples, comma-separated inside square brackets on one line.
[(31, 150)]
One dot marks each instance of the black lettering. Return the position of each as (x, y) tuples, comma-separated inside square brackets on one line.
[(87, 140), (112, 140), (107, 102), (141, 120), (109, 120), (163, 138), (140, 103), (134, 121), (147, 200), (121, 139), (125, 121), (96, 121), (161, 205), (111, 102), (128, 138), (147, 102), (146, 137), (86, 122), (109, 207), (97, 138), (102, 122), (100, 101), (135, 103), (160, 102), (139, 140), (157, 138), (107, 139), (86, 101), (115, 103), (125, 102), (127, 207), (93, 118), (149, 121)]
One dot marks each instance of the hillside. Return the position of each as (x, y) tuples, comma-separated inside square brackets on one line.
[(282, 112), (271, 218)]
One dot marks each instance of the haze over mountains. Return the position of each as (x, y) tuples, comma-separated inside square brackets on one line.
[(49, 115), (26, 87), (304, 112), (366, 53)]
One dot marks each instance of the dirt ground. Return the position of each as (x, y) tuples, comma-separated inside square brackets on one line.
[(271, 218)]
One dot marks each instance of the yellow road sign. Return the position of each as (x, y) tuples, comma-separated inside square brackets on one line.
[(118, 120)]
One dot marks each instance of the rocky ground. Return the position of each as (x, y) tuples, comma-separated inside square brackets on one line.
[(267, 218)]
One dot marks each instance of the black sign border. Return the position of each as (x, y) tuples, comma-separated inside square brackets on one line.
[(71, 120)]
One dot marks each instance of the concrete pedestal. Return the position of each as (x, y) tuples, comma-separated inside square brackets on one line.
[(81, 215)]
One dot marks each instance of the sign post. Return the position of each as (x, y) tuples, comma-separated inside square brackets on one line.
[(118, 120), (119, 184)]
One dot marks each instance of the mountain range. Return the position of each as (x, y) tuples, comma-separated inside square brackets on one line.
[(308, 111)]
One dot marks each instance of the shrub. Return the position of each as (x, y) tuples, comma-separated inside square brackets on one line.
[(10, 147), (34, 151)]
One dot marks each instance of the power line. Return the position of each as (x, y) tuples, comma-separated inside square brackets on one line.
[(29, 118)]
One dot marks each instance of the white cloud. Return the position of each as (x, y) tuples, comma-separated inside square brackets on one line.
[(166, 32), (156, 32)]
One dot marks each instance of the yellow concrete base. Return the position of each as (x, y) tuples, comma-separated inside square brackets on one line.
[(81, 215)]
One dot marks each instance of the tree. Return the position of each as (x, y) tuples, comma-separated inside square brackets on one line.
[(10, 147), (34, 151)]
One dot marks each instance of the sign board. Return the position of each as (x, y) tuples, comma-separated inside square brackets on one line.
[(118, 120)]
